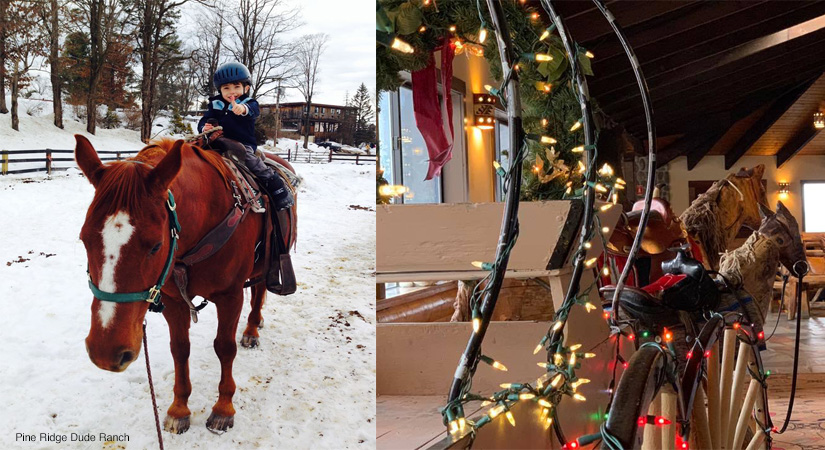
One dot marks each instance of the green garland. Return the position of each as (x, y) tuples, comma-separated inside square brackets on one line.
[(547, 170)]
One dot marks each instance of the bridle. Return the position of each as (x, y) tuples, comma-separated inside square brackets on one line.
[(151, 295)]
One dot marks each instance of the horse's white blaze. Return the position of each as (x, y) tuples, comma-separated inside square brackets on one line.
[(116, 233)]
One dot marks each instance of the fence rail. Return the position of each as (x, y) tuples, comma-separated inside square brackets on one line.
[(49, 159)]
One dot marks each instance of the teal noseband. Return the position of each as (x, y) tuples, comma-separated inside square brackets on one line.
[(151, 295)]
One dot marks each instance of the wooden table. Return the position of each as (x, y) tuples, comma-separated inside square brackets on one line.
[(811, 284)]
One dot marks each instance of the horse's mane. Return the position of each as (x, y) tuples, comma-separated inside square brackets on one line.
[(124, 182), (752, 266), (701, 219)]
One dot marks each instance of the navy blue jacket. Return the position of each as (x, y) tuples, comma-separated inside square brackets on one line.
[(239, 128)]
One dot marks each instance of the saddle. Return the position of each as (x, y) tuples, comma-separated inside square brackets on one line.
[(663, 231), (279, 228), (685, 286)]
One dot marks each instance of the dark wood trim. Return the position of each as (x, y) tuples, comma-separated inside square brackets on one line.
[(782, 59), (777, 110), (657, 61), (795, 144), (696, 155), (694, 22), (720, 101), (703, 134), (568, 235)]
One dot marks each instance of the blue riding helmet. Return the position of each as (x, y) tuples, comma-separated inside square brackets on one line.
[(233, 72)]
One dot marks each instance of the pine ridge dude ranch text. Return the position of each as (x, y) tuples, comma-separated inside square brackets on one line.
[(71, 437)]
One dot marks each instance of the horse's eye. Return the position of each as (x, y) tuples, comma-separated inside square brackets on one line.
[(155, 248), (780, 241)]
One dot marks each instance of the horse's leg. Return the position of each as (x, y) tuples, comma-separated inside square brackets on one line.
[(176, 314), (255, 320), (229, 311)]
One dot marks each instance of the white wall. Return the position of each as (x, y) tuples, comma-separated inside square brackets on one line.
[(807, 168)]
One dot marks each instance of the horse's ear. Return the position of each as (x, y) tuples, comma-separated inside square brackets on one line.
[(167, 169), (764, 211), (87, 159), (780, 208), (758, 171)]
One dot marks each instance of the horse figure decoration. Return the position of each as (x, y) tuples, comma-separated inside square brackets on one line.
[(709, 224), (679, 299), (147, 212), (750, 270)]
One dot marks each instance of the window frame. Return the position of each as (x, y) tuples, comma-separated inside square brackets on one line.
[(802, 184)]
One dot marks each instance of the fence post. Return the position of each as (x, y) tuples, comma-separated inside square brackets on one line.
[(118, 156), (48, 161), (357, 157), (288, 153), (330, 155), (5, 162)]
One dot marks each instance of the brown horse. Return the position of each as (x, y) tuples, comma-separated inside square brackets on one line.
[(127, 239)]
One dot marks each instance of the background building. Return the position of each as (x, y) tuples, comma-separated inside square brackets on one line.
[(326, 122)]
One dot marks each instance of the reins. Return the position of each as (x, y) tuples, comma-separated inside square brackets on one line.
[(151, 386), (800, 273)]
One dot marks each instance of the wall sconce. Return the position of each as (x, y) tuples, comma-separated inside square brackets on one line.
[(484, 111), (784, 190), (819, 120)]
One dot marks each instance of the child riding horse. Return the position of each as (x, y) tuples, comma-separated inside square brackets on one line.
[(147, 212)]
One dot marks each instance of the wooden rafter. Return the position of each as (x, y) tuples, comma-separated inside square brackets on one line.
[(700, 140), (795, 144), (724, 42), (779, 107)]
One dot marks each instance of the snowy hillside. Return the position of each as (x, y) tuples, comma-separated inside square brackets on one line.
[(310, 384)]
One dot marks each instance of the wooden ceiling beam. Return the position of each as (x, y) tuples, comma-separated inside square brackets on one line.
[(795, 144), (592, 25), (703, 135), (781, 57), (707, 16), (658, 61), (724, 98), (764, 123), (696, 155)]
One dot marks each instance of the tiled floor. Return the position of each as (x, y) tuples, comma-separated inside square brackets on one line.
[(806, 430), (778, 358)]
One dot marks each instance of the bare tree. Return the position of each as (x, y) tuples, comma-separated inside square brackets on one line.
[(256, 41), (157, 46), (25, 42), (4, 25), (309, 48), (207, 53), (50, 23), (105, 23)]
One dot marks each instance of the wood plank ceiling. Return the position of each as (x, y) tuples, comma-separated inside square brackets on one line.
[(725, 77)]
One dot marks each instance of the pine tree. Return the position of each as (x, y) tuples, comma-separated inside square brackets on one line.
[(364, 114)]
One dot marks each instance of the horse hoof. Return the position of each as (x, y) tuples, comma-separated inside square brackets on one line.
[(219, 423), (175, 425), (249, 341)]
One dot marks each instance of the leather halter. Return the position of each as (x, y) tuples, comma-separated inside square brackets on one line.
[(151, 295)]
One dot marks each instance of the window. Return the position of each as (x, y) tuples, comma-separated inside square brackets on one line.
[(404, 156), (813, 215)]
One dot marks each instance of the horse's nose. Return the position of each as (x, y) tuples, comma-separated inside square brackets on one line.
[(125, 358)]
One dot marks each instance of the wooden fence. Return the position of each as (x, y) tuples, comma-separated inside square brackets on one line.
[(49, 158)]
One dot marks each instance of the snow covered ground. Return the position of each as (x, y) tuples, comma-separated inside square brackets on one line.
[(310, 384)]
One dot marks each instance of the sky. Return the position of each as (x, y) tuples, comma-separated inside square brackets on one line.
[(349, 59)]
